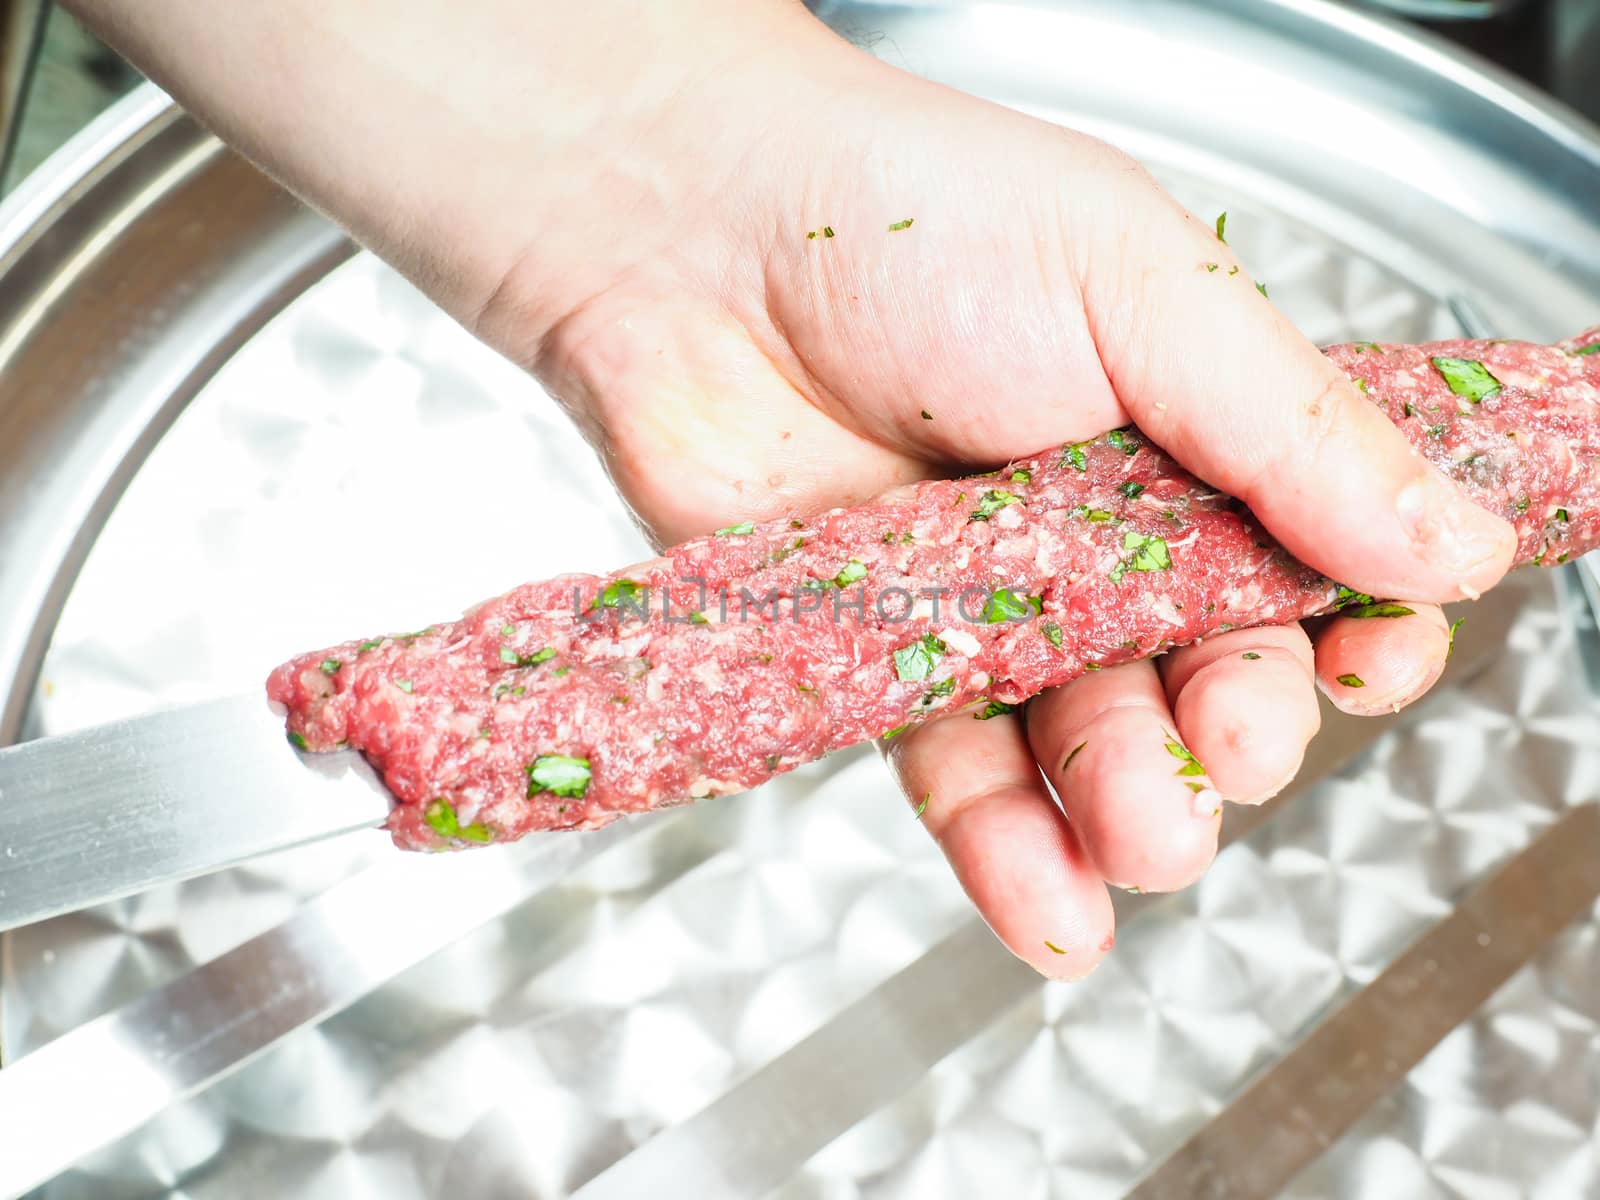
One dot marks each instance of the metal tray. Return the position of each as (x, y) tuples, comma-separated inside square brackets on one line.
[(781, 993)]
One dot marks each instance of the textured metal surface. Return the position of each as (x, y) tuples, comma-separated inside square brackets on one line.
[(542, 1047), (161, 798)]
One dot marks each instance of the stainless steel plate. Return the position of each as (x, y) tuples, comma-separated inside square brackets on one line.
[(1369, 178)]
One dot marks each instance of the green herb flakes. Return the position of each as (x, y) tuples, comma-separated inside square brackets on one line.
[(853, 571), (1052, 634), (893, 733), (1097, 516), (404, 685), (1222, 228), (942, 688), (1594, 348), (1191, 764), (995, 708), (1561, 515), (1250, 655), (330, 666), (918, 660), (926, 415), (505, 689), (1436, 431), (559, 774), (296, 740), (699, 618), (923, 807), (1131, 490), (1053, 947), (621, 591), (1455, 625), (1467, 378), (1076, 750), (442, 819), (365, 646), (1022, 475), (1361, 385), (742, 529), (899, 225), (1149, 554), (1008, 605), (508, 655), (1409, 409), (1522, 504), (1352, 681), (1211, 268), (1076, 455), (1373, 346), (508, 631), (992, 502), (1365, 611), (1262, 288)]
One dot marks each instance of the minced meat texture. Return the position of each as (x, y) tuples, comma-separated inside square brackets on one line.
[(740, 655)]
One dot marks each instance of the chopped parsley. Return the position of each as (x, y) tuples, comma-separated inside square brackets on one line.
[(1590, 349), (1522, 504), (441, 818), (559, 774), (918, 660), (853, 571), (1373, 346), (895, 732), (742, 529), (1352, 681), (1131, 490), (1211, 268), (1008, 605), (1076, 750), (825, 232), (1262, 288), (899, 225), (507, 630), (1191, 764), (1222, 228), (1409, 409), (404, 685), (1251, 655), (621, 591), (992, 502), (505, 689), (1561, 515), (1149, 554), (372, 645), (942, 688), (1052, 634), (1122, 440), (923, 807), (1022, 475), (995, 708), (1053, 947), (1347, 596), (1098, 516), (926, 415), (1076, 455), (296, 740), (1436, 431), (1467, 377), (1363, 611), (1361, 385), (330, 666), (508, 655)]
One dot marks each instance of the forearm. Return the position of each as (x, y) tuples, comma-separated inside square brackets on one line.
[(449, 135)]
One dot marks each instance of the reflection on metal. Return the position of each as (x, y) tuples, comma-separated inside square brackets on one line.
[(21, 34), (1287, 1118)]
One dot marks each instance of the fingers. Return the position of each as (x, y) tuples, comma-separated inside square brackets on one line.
[(1215, 374), (1143, 806), (1246, 704), (1375, 665), (1008, 843)]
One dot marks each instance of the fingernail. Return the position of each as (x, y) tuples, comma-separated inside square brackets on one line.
[(1450, 532)]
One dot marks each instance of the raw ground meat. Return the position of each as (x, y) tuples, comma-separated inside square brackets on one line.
[(568, 703)]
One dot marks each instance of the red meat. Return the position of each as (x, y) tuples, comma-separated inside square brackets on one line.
[(737, 656)]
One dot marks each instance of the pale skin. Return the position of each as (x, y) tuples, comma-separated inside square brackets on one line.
[(617, 196)]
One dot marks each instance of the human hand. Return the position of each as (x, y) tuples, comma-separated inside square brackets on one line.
[(1045, 292), (619, 197)]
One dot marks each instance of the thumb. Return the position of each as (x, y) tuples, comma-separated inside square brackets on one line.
[(1214, 373)]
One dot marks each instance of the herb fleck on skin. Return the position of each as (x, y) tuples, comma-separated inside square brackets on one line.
[(742, 529), (1222, 228), (1191, 764), (1352, 681), (923, 807), (899, 225), (1365, 611), (995, 708), (1451, 647), (1076, 750), (1053, 947), (1251, 655), (926, 415)]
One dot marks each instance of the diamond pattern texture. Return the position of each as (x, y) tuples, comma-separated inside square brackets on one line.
[(540, 1048)]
